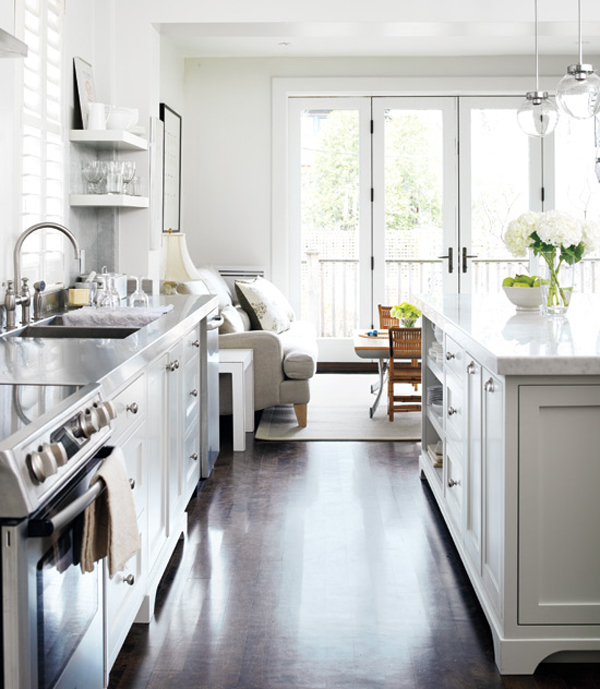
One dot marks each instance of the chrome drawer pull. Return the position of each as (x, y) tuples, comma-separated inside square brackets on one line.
[(173, 366), (450, 355), (452, 482), (129, 579), (133, 408), (489, 385), (452, 410), (194, 456), (194, 392), (471, 368), (132, 483), (196, 343)]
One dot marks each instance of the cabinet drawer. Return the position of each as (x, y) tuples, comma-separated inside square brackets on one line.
[(190, 391), (454, 409), (454, 357), (191, 346), (191, 460), (130, 404), (134, 453), (454, 481)]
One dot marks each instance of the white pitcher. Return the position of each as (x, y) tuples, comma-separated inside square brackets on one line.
[(98, 116)]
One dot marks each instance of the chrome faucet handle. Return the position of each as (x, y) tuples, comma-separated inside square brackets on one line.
[(25, 301), (10, 304), (39, 287)]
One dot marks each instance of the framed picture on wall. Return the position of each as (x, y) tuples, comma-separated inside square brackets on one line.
[(171, 168), (86, 89)]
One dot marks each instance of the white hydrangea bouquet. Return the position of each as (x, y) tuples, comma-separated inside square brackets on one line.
[(560, 240)]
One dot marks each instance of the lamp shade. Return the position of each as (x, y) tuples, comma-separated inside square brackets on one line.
[(578, 92), (179, 267), (538, 115)]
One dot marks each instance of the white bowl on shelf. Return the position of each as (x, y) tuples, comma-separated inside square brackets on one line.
[(524, 298), (122, 118)]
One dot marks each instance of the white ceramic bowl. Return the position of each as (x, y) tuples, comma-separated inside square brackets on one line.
[(122, 118), (524, 298)]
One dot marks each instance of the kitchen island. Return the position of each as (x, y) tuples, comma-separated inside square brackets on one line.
[(518, 483)]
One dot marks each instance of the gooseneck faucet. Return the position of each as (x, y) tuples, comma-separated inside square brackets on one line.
[(12, 297)]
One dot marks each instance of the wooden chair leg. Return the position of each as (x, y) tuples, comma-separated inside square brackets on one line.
[(390, 400), (301, 414)]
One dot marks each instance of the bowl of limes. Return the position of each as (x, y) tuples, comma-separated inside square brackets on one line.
[(523, 291)]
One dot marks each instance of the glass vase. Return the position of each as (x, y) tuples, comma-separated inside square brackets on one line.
[(556, 281), (408, 322)]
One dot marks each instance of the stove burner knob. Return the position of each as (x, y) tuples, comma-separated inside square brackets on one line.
[(105, 413), (57, 450), (43, 464), (87, 423)]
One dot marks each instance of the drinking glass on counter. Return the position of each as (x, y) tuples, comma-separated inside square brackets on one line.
[(138, 298)]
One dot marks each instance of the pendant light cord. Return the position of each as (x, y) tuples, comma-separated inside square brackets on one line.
[(580, 32), (535, 14)]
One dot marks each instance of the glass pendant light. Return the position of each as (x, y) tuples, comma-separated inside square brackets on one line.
[(578, 92), (538, 115)]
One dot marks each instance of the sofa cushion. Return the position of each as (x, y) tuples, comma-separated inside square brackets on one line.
[(192, 287), (216, 285), (233, 320), (299, 350), (263, 302)]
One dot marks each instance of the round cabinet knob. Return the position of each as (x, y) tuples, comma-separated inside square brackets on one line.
[(471, 368), (132, 483), (129, 579), (194, 392), (489, 385), (450, 356), (196, 343), (453, 482), (42, 464), (105, 413), (173, 366), (133, 408), (452, 411), (87, 423), (194, 456)]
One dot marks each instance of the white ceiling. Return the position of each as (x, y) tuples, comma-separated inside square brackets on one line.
[(483, 36)]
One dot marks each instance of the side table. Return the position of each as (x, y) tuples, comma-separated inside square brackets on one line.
[(238, 363)]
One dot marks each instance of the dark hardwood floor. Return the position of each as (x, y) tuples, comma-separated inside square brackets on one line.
[(318, 565)]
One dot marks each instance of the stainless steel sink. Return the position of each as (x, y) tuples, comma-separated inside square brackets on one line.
[(54, 327)]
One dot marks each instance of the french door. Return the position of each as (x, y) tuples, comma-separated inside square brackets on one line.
[(391, 197)]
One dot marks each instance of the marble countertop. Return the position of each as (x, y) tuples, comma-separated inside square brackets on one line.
[(511, 342), (33, 361)]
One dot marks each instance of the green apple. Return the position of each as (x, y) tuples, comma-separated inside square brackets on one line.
[(536, 282), (508, 282), (524, 279)]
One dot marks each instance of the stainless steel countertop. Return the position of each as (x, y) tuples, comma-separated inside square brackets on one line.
[(110, 362)]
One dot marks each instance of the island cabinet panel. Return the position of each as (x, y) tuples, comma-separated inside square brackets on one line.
[(474, 488), (559, 509)]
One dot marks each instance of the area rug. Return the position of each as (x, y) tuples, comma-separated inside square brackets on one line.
[(339, 410)]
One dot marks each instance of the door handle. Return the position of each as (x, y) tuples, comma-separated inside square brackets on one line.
[(465, 256), (449, 256)]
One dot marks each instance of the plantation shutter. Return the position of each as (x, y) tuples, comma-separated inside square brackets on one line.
[(43, 164)]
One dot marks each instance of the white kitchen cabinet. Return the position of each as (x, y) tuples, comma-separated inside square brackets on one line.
[(525, 520), (559, 509), (174, 444)]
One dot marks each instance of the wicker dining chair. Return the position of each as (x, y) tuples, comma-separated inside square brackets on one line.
[(404, 367), (386, 321)]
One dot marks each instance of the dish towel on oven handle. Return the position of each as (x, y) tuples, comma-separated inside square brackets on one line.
[(110, 524)]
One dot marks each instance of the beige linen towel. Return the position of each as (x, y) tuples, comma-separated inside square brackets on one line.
[(110, 523)]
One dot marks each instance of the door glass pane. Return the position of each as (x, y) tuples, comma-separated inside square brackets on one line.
[(578, 188), (413, 172), (499, 193), (330, 220)]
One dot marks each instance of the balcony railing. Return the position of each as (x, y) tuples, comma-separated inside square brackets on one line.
[(331, 289)]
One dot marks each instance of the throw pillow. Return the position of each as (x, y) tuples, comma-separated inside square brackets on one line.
[(216, 285), (260, 301), (232, 320)]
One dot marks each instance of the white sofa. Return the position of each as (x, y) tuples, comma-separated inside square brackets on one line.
[(284, 361)]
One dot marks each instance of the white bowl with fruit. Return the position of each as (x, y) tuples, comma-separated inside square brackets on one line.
[(523, 291)]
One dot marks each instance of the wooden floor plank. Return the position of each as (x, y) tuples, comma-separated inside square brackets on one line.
[(318, 565)]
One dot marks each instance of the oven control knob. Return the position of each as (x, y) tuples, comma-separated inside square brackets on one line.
[(105, 413), (57, 450), (42, 464), (87, 423)]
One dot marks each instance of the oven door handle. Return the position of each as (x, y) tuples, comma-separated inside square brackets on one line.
[(46, 527)]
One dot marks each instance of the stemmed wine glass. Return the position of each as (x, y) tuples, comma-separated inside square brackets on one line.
[(92, 174), (128, 175), (138, 298)]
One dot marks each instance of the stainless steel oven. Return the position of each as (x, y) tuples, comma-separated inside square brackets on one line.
[(52, 613)]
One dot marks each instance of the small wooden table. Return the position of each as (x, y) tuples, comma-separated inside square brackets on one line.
[(374, 347), (239, 363)]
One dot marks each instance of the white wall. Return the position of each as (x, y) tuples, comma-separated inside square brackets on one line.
[(227, 143)]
